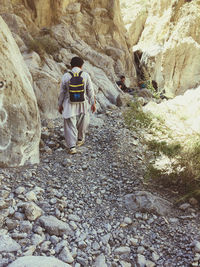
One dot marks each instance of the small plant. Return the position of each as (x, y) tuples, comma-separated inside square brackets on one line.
[(184, 173), (135, 117), (150, 87), (170, 150), (42, 45), (179, 168)]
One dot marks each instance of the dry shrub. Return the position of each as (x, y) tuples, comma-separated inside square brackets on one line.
[(42, 45)]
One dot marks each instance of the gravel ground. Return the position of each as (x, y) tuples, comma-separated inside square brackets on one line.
[(74, 208)]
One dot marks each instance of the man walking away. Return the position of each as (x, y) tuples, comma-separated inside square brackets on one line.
[(75, 100)]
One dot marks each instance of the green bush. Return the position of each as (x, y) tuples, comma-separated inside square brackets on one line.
[(135, 117), (182, 174), (170, 150)]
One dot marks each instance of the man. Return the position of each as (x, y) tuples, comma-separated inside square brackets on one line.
[(76, 114), (121, 84), (123, 87)]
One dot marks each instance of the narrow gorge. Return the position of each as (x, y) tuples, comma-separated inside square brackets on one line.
[(130, 197)]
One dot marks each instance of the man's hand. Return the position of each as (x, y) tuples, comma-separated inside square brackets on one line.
[(60, 109), (93, 108)]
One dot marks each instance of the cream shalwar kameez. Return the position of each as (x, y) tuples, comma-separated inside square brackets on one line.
[(76, 116)]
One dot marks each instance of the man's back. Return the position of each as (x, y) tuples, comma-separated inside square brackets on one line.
[(72, 109)]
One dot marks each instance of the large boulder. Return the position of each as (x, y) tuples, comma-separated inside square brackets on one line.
[(19, 116), (38, 261), (180, 114), (7, 244), (54, 226), (147, 202)]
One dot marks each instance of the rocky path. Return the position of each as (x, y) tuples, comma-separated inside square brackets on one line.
[(92, 209)]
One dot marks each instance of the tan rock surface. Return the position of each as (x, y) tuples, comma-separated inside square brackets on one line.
[(169, 41), (19, 117), (91, 29)]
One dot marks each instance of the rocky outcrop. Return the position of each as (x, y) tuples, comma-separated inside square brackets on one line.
[(169, 42), (19, 116), (180, 114)]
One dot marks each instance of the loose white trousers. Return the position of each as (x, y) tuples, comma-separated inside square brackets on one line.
[(75, 128)]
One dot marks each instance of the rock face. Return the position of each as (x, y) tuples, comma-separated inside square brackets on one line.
[(171, 49), (180, 114), (93, 30), (19, 116)]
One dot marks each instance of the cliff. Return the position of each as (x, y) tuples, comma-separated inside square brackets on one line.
[(57, 30), (19, 115), (167, 35)]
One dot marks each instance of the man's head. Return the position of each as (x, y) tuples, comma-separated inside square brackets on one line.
[(122, 78), (77, 62)]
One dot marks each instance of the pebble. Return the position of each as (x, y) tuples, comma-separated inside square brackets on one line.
[(196, 245), (37, 239), (150, 263), (25, 226), (105, 239), (45, 246), (155, 257), (29, 250), (100, 261), (98, 201), (193, 201), (31, 196), (134, 242), (20, 190), (19, 216), (141, 260), (32, 211), (66, 256), (82, 261), (125, 264), (184, 206), (54, 226), (74, 218), (122, 250), (11, 224), (128, 220), (7, 244), (96, 246), (140, 250), (84, 167)]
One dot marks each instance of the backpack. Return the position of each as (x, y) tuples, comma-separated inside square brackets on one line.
[(76, 88)]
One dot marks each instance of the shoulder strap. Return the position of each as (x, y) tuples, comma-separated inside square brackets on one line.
[(70, 72), (80, 73)]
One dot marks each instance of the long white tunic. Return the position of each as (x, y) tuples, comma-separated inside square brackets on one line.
[(74, 109)]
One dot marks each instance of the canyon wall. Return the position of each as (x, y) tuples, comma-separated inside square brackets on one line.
[(167, 34), (93, 30), (48, 34), (19, 115)]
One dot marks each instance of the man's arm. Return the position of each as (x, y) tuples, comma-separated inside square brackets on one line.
[(90, 93), (62, 95)]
